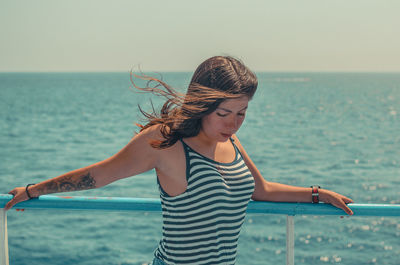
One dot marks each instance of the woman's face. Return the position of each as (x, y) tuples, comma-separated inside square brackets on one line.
[(226, 120)]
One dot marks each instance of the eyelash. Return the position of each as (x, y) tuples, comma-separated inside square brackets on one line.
[(224, 115)]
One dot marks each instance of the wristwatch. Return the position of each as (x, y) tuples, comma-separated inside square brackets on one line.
[(315, 194)]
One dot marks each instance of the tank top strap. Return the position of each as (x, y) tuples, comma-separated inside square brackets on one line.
[(184, 144), (186, 149), (237, 151)]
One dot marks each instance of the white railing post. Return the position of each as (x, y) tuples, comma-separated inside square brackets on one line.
[(3, 238), (289, 240)]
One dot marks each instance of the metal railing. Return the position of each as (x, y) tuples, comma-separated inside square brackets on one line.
[(154, 205)]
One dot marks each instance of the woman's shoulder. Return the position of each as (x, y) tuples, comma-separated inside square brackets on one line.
[(154, 133), (166, 157)]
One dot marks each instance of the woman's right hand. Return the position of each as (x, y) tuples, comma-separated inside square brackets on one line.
[(19, 196)]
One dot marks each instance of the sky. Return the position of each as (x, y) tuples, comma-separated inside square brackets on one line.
[(177, 35)]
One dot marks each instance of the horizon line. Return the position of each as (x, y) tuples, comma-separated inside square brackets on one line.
[(188, 71)]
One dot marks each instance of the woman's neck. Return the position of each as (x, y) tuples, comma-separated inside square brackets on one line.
[(202, 140)]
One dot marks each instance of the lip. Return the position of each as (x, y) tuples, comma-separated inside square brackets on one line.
[(225, 135)]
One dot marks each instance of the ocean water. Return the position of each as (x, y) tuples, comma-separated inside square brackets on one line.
[(338, 130)]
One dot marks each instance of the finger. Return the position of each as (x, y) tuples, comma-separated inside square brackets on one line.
[(347, 200), (9, 205), (340, 204), (347, 209)]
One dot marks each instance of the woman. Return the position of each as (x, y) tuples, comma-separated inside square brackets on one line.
[(205, 176)]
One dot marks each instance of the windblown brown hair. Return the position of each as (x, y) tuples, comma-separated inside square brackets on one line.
[(216, 79)]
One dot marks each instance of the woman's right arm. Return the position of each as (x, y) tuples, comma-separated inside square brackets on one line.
[(135, 158)]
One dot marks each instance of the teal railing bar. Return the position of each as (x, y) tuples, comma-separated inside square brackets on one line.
[(86, 203), (153, 205)]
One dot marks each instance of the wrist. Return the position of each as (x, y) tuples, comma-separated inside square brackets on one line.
[(322, 195), (30, 191)]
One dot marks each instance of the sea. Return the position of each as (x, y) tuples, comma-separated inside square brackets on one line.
[(337, 130)]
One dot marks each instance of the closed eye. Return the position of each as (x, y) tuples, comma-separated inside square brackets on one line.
[(224, 115)]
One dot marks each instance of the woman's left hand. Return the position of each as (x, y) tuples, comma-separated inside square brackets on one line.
[(336, 199)]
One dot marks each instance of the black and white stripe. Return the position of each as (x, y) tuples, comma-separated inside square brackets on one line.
[(202, 225)]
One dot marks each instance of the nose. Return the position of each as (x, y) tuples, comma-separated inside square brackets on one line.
[(233, 124)]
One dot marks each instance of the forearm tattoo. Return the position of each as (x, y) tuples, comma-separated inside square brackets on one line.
[(69, 183)]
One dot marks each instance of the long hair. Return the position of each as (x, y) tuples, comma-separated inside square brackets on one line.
[(215, 80)]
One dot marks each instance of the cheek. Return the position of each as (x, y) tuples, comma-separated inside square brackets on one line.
[(210, 123), (241, 119)]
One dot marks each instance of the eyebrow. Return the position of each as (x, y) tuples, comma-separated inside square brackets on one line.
[(227, 110)]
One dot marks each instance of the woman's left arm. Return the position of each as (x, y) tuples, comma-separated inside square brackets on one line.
[(272, 191)]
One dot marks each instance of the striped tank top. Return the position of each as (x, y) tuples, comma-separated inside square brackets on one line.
[(202, 225)]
